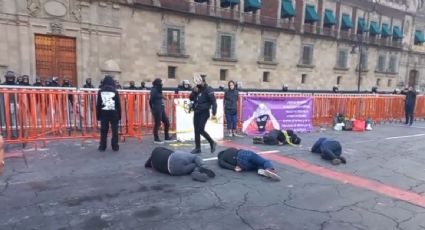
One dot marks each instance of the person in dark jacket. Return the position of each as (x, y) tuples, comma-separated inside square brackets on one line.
[(231, 108), (117, 84), (278, 137), (19, 80), (203, 100), (88, 84), (132, 86), (156, 103), (10, 78), (38, 82), (25, 80), (329, 149), (409, 105), (178, 163), (66, 82), (108, 109), (240, 160), (54, 82), (143, 86)]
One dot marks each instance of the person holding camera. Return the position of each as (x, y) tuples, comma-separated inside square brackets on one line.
[(203, 100)]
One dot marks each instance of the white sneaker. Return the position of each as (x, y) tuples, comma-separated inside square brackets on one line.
[(269, 174), (158, 142)]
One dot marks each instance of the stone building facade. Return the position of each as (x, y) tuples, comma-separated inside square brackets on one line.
[(306, 44)]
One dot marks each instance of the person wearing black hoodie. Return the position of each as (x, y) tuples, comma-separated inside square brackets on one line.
[(231, 108), (37, 82), (88, 84), (330, 150), (108, 111), (409, 105), (203, 100), (278, 137), (156, 103)]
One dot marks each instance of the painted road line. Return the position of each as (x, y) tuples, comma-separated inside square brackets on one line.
[(400, 137), (264, 152), (345, 178)]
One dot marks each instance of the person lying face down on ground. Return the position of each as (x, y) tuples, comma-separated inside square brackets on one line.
[(329, 149), (244, 160), (178, 163), (278, 137)]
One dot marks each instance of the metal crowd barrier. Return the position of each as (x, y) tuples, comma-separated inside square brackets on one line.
[(40, 114)]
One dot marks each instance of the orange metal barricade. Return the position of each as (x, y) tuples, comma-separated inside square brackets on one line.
[(32, 115)]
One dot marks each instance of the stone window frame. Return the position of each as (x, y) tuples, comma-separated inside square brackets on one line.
[(381, 64), (390, 69), (310, 63), (262, 59), (218, 55), (182, 42), (364, 59), (338, 65)]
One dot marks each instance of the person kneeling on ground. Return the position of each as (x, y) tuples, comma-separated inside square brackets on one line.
[(278, 137), (178, 163), (245, 160), (329, 149)]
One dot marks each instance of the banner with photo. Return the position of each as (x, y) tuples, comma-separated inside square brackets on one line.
[(261, 115), (184, 121)]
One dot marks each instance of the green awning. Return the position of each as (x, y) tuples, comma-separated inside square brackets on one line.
[(329, 18), (346, 22), (361, 26), (287, 9), (374, 28), (227, 3), (311, 14), (252, 5), (419, 37), (386, 31), (397, 34)]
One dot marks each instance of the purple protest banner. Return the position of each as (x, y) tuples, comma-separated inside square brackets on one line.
[(261, 115)]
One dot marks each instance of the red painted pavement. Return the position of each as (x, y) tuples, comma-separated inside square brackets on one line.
[(371, 185)]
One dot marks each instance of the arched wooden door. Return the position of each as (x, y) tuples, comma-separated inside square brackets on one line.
[(56, 56)]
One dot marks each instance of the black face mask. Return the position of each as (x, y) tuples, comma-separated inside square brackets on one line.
[(261, 122)]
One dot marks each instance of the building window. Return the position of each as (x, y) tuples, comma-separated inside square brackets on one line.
[(226, 46), (266, 76), (172, 72), (378, 82), (307, 55), (381, 63), (338, 80), (174, 40), (393, 65), (303, 78), (223, 74), (269, 51), (342, 58), (389, 83), (363, 61)]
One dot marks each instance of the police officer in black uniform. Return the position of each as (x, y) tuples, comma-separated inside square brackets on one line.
[(25, 80), (37, 82), (132, 86), (54, 82), (203, 100), (10, 78), (88, 84)]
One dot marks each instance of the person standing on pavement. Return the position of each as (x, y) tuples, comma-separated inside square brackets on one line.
[(108, 111), (409, 105), (203, 100), (88, 84), (156, 103), (231, 108)]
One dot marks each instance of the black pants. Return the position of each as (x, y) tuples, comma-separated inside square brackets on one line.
[(104, 128), (409, 115), (160, 116), (199, 121)]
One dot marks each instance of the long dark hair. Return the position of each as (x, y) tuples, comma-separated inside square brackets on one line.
[(234, 85), (157, 83)]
